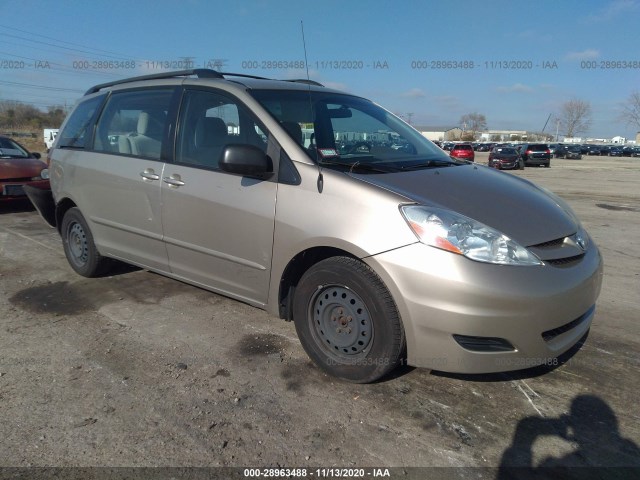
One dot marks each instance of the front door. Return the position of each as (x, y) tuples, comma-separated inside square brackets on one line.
[(218, 227)]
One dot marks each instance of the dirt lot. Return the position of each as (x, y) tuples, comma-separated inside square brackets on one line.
[(138, 370)]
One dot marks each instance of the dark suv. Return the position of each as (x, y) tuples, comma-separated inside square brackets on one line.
[(536, 154)]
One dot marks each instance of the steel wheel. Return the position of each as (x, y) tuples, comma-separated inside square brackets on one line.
[(78, 247), (347, 320), (341, 322), (77, 240)]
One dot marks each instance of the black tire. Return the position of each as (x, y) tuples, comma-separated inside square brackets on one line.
[(347, 321), (77, 241)]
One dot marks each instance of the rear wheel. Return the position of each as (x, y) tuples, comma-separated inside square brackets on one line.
[(347, 321), (78, 245)]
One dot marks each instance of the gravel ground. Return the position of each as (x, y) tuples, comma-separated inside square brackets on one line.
[(136, 369)]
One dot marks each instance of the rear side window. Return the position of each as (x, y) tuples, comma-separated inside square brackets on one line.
[(134, 123), (77, 128)]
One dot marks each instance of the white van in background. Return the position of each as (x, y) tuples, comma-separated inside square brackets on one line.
[(49, 136)]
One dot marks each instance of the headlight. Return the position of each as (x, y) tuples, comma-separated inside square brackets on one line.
[(582, 238), (44, 174), (459, 234)]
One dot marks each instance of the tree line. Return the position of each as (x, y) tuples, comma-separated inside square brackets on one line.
[(22, 117), (573, 118)]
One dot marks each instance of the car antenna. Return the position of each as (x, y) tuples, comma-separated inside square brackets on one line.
[(320, 182)]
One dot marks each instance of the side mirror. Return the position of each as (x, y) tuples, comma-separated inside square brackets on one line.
[(36, 155), (247, 161)]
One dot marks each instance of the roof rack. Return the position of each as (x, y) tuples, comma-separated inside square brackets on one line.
[(243, 75), (306, 81), (199, 72)]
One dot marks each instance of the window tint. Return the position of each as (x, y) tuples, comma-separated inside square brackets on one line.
[(210, 121), (76, 130), (133, 123)]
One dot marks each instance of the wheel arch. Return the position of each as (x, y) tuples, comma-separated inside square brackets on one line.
[(294, 270), (61, 208)]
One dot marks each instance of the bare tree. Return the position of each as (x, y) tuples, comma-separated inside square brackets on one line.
[(473, 123), (630, 113), (575, 117)]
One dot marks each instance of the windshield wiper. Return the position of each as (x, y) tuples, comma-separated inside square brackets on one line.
[(357, 165), (430, 164)]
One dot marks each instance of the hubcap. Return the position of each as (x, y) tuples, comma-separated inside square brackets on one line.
[(341, 322), (78, 244)]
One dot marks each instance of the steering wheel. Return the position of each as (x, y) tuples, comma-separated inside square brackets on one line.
[(359, 147)]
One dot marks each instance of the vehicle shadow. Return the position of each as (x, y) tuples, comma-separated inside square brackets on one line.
[(591, 427), (16, 206), (117, 268)]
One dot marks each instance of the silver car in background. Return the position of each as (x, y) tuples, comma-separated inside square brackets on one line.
[(325, 209)]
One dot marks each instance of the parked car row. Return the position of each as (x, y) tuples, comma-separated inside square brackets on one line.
[(560, 150), (555, 150)]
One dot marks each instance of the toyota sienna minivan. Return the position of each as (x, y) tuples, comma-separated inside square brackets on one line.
[(296, 198)]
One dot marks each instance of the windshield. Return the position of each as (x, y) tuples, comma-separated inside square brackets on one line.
[(9, 148), (506, 151), (346, 131)]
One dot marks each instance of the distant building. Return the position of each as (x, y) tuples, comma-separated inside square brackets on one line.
[(503, 135), (618, 140), (637, 138), (442, 133)]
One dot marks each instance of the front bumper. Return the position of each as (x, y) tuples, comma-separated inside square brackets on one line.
[(542, 311), (10, 190), (504, 164)]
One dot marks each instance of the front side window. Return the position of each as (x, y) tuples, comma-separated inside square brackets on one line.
[(134, 123), (209, 121), (350, 132), (77, 128)]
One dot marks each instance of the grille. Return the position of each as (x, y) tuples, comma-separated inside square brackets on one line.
[(10, 180), (551, 334), (565, 262), (551, 243)]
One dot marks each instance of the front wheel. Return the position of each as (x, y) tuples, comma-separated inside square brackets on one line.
[(77, 241), (347, 321)]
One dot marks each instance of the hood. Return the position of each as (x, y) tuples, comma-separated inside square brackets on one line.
[(20, 167), (511, 205)]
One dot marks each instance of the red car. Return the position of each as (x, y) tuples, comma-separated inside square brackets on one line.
[(462, 151), (505, 158), (19, 167)]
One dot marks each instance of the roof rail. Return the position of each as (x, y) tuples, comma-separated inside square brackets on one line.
[(306, 81), (199, 72), (243, 75)]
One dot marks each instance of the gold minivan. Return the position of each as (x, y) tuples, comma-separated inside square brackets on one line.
[(322, 208)]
